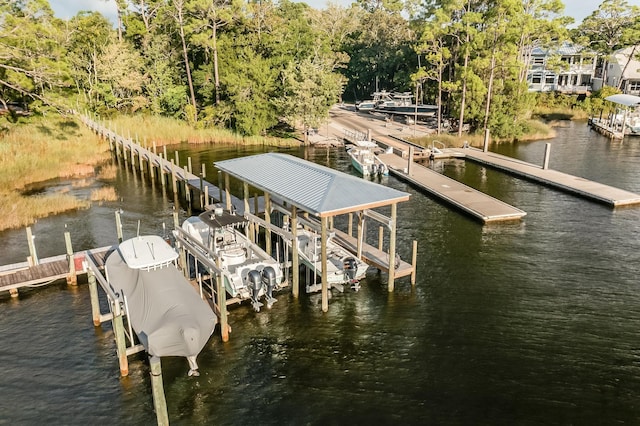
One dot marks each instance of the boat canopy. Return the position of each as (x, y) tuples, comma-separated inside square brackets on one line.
[(623, 99), (147, 252), (219, 218), (366, 144)]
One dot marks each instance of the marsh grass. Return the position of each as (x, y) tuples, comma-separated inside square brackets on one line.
[(107, 193), (168, 131), (17, 211)]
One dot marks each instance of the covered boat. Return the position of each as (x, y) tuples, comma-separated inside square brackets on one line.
[(166, 313)]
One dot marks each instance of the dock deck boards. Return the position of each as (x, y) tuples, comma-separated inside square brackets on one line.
[(475, 203), (575, 184)]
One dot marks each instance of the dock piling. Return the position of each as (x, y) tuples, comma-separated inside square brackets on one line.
[(72, 278), (547, 151), (157, 388), (33, 255)]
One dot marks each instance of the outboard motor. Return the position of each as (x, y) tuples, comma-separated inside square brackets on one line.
[(350, 268), (255, 285), (270, 282), (374, 169)]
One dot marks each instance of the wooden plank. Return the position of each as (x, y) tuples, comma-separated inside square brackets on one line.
[(467, 199)]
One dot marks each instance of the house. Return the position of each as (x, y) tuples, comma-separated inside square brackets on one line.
[(624, 65), (569, 69)]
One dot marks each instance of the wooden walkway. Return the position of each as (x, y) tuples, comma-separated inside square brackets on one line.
[(586, 188), (469, 200), (47, 271)]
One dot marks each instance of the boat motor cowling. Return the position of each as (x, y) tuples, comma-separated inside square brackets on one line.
[(269, 279), (350, 268), (255, 283)]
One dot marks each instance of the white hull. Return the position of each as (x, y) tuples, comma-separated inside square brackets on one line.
[(365, 161), (309, 249)]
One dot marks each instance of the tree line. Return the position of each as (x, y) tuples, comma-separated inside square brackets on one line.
[(268, 66)]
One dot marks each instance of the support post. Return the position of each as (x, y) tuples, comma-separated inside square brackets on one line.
[(157, 388), (220, 185), (414, 258), (33, 255), (392, 246), (485, 144), (222, 304), (360, 234), (410, 160), (350, 225), (323, 259), (245, 195), (295, 260), (267, 218), (189, 165), (547, 152), (95, 302), (380, 237), (227, 192), (119, 225), (72, 278), (121, 343)]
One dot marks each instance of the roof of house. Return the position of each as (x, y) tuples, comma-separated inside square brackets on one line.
[(311, 187), (621, 56)]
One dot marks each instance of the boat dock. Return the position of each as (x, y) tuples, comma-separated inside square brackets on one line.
[(586, 188), (476, 203)]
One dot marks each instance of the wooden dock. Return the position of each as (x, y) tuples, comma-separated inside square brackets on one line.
[(586, 188), (467, 199)]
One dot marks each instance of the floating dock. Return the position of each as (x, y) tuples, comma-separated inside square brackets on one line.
[(586, 188), (476, 203)]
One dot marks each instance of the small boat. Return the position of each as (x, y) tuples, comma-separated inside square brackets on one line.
[(342, 266), (249, 272), (401, 104), (366, 106), (365, 161), (166, 313)]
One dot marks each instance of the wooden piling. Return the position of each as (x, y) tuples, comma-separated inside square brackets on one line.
[(323, 259), (33, 255), (547, 153), (392, 246), (157, 388), (380, 237), (72, 278), (119, 225), (295, 260), (93, 293), (121, 343), (414, 258)]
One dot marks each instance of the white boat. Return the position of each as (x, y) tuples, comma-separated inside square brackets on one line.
[(342, 266), (166, 313), (249, 272), (365, 161), (401, 104), (366, 106)]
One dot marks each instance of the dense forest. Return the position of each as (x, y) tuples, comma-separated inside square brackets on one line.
[(259, 66)]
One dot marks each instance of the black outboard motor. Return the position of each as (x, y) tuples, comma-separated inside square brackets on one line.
[(255, 285), (350, 268), (270, 282)]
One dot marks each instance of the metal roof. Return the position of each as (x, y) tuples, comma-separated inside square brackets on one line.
[(311, 187), (623, 99)]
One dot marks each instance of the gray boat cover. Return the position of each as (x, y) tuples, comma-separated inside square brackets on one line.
[(166, 313)]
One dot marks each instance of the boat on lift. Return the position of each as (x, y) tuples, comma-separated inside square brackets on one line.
[(249, 272), (401, 104), (364, 159), (342, 266), (167, 314)]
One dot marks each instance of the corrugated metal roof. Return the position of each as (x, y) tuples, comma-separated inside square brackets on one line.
[(311, 187)]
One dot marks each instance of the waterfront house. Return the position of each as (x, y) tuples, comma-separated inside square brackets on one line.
[(568, 69), (624, 65)]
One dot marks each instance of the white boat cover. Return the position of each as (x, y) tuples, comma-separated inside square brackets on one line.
[(166, 313)]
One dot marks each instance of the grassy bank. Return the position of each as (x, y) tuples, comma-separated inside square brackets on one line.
[(167, 131), (39, 149), (537, 130)]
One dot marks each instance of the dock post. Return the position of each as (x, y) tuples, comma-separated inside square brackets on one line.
[(249, 227), (206, 197), (350, 225), (119, 225), (410, 160), (72, 278), (547, 152), (153, 145), (323, 259), (222, 303), (157, 388), (380, 237), (220, 185), (121, 343), (414, 258), (295, 261), (255, 204), (33, 258), (369, 135), (161, 174), (189, 165), (174, 179), (267, 218), (485, 144), (187, 188), (177, 154), (93, 293), (392, 246), (228, 192)]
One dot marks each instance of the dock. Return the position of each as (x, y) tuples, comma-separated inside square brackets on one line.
[(476, 203), (595, 191)]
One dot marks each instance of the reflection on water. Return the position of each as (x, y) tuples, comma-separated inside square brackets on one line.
[(531, 322)]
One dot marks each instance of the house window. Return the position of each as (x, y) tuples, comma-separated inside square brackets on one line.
[(634, 86), (536, 79), (550, 79), (538, 61)]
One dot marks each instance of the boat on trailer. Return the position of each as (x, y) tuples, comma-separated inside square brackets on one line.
[(342, 266), (364, 159), (249, 272), (167, 314)]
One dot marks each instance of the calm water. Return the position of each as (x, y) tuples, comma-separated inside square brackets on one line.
[(534, 322)]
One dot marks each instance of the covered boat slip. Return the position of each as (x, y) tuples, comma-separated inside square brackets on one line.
[(307, 189), (624, 122)]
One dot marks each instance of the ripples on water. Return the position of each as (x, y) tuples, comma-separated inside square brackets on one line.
[(533, 322)]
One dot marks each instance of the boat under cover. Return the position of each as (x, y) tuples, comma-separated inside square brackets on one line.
[(166, 313)]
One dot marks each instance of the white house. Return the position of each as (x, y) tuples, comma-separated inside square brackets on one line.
[(569, 69), (620, 67)]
